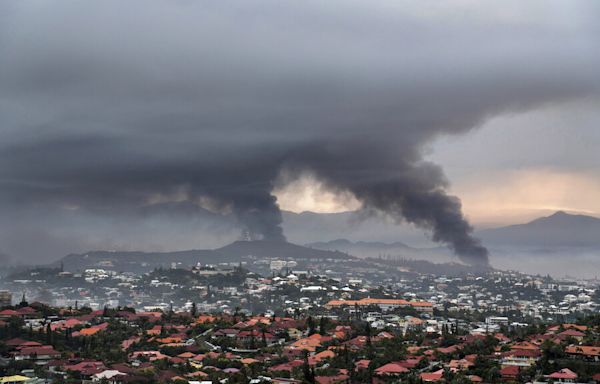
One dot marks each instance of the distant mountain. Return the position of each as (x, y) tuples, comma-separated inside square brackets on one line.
[(375, 249), (269, 249), (558, 230), (134, 261), (232, 253), (345, 243), (427, 267), (362, 248), (308, 227)]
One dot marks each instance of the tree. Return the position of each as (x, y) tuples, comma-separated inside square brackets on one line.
[(252, 340), (48, 334), (23, 302), (310, 323), (309, 374), (323, 325)]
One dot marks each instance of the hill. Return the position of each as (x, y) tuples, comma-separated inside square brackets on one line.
[(363, 248), (558, 230), (232, 253), (269, 249), (375, 249), (308, 227)]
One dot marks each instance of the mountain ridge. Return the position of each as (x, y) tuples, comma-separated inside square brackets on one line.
[(561, 229), (231, 253), (376, 249)]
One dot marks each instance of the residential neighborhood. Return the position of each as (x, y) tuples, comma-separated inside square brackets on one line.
[(316, 327)]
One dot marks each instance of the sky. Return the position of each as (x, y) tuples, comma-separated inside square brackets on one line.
[(173, 124), (514, 168)]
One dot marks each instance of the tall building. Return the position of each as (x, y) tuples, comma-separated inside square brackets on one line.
[(5, 298)]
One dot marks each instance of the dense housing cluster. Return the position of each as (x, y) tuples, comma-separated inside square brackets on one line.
[(42, 344), (276, 320)]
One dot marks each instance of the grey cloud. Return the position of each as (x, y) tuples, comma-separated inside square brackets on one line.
[(105, 104)]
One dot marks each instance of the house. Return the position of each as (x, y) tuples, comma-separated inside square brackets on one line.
[(309, 344), (294, 333), (173, 339), (391, 369), (14, 342), (91, 330), (256, 335), (525, 345), (28, 344), (125, 344), (448, 350), (362, 364), (556, 328), (459, 365), (510, 372), (331, 379), (8, 313), (358, 343), (150, 355), (197, 375), (565, 375), (65, 324), (87, 368), (279, 380), (321, 356), (410, 363), (39, 353), (432, 377), (571, 333), (286, 366), (249, 361), (520, 357), (342, 331), (154, 331), (27, 313), (204, 319), (227, 332), (589, 353), (422, 306), (110, 375)]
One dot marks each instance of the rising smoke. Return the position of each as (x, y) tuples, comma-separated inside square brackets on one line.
[(109, 107)]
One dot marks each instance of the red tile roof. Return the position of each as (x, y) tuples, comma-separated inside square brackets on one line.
[(391, 369), (583, 350), (432, 376), (572, 333), (564, 373), (510, 371)]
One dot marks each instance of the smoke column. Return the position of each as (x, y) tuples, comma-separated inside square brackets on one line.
[(114, 109)]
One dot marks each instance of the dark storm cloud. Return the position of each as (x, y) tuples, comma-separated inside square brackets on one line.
[(106, 106)]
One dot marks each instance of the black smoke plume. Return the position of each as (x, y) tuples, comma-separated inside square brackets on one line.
[(108, 108)]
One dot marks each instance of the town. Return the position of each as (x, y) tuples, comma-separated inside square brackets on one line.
[(280, 320)]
